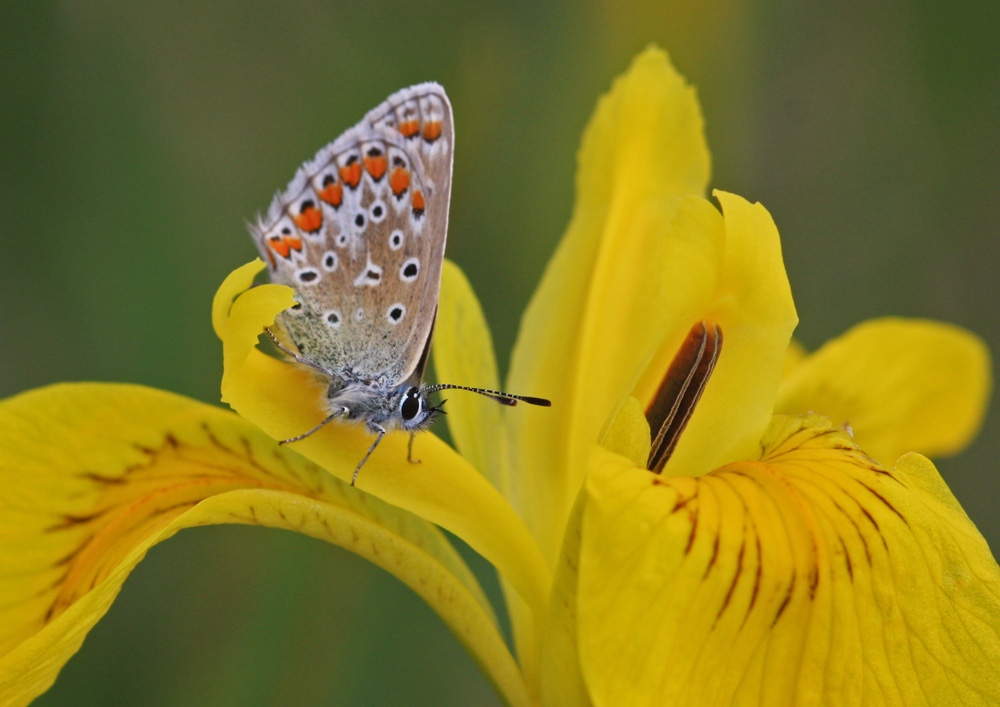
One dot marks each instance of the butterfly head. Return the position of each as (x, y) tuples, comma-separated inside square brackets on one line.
[(414, 411)]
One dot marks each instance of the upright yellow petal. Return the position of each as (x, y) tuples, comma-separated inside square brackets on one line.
[(463, 355), (811, 577), (564, 685), (741, 287), (595, 319), (903, 385), (795, 355), (95, 475)]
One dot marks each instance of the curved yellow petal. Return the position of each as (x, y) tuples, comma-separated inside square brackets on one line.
[(742, 288), (595, 319), (812, 576), (284, 399), (902, 384), (463, 355), (236, 283), (95, 475)]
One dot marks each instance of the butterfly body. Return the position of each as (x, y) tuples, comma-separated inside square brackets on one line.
[(382, 403), (359, 234)]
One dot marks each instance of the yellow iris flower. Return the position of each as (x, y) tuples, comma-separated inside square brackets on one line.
[(781, 557)]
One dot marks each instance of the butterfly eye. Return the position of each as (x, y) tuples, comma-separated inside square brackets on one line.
[(410, 407)]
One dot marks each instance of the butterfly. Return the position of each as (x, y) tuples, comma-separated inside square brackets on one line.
[(359, 234)]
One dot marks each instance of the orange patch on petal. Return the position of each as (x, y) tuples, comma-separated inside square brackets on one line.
[(432, 130), (399, 180), (351, 174), (418, 203), (409, 128), (376, 166), (310, 220)]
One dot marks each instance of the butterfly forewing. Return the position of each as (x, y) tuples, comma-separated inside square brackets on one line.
[(359, 234)]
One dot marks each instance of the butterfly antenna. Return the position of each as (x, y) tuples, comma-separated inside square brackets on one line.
[(499, 396)]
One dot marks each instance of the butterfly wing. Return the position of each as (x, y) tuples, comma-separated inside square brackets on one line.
[(359, 234)]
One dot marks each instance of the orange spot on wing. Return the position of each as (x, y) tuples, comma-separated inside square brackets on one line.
[(399, 181), (351, 174), (376, 166), (310, 220), (284, 245), (409, 128), (432, 130), (418, 203), (333, 194)]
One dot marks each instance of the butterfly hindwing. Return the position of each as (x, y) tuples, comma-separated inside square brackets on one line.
[(359, 234)]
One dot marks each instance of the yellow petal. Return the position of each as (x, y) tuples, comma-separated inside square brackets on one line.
[(463, 355), (563, 684), (595, 320), (284, 400), (95, 475), (237, 282), (743, 288), (813, 576), (795, 355), (628, 433), (902, 384)]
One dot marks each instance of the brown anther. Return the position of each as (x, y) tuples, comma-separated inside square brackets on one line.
[(681, 389)]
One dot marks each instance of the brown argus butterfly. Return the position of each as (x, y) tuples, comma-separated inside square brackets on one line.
[(359, 234)]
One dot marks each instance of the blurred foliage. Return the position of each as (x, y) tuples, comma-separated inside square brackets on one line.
[(136, 138)]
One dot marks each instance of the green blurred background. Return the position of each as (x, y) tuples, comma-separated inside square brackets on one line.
[(136, 139)]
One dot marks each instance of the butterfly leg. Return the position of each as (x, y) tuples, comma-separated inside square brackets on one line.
[(378, 430), (409, 450), (335, 414), (297, 357)]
